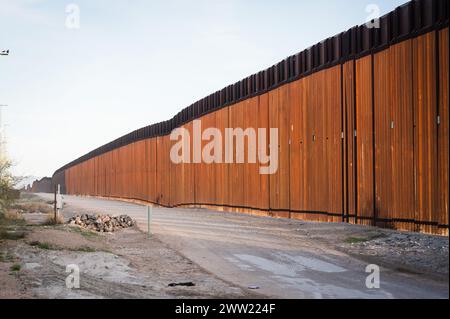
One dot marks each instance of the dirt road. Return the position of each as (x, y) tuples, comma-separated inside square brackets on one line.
[(37, 258), (286, 258), (122, 265)]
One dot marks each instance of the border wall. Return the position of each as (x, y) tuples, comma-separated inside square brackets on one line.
[(363, 134)]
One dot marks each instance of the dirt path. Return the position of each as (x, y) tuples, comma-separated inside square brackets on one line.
[(293, 259), (122, 265), (125, 264)]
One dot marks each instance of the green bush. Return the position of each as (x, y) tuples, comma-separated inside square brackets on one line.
[(16, 267)]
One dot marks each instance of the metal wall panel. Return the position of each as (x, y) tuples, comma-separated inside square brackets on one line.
[(251, 170), (443, 136), (364, 165), (296, 153), (279, 118), (425, 129), (349, 127), (222, 170), (236, 190), (394, 136)]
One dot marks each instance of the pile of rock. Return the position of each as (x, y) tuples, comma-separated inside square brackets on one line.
[(102, 223)]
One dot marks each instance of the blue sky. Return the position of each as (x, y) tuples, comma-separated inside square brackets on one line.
[(136, 62)]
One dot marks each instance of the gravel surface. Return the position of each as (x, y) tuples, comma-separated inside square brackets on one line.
[(416, 253)]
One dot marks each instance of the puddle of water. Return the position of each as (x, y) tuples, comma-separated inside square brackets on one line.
[(271, 266), (31, 266), (241, 265), (316, 264), (286, 271), (288, 265)]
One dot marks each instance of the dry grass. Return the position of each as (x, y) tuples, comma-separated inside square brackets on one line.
[(83, 232), (47, 246), (34, 207), (13, 215), (11, 223), (11, 235), (11, 218), (6, 257), (50, 220), (44, 246)]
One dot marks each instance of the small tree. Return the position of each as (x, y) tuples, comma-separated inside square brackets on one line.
[(7, 182)]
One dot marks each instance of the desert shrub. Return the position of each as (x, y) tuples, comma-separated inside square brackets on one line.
[(7, 182), (50, 220)]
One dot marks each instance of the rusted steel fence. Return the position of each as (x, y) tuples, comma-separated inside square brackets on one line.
[(43, 185), (363, 134)]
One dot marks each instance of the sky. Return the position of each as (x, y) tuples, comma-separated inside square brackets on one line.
[(70, 88)]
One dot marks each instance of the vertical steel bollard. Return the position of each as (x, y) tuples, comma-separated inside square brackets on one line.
[(149, 220), (54, 203)]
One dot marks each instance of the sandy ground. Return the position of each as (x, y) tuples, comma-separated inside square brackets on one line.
[(223, 254), (11, 285), (123, 265), (293, 259), (126, 264)]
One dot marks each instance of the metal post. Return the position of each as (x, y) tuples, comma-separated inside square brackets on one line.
[(58, 203), (54, 203), (149, 221)]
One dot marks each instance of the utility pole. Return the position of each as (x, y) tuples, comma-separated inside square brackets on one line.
[(2, 53), (2, 142)]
